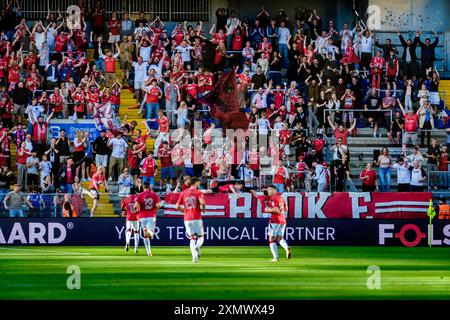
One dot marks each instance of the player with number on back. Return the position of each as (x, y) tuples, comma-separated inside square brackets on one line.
[(132, 224), (194, 205), (277, 208), (147, 203)]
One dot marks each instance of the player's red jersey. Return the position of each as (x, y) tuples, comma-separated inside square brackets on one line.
[(190, 199), (128, 206), (276, 201), (147, 202)]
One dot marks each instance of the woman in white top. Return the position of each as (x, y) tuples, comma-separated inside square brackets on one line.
[(384, 166), (263, 62), (333, 104)]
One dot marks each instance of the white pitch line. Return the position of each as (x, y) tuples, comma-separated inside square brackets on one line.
[(46, 251)]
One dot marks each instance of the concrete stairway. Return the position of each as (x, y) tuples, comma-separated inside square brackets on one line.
[(365, 144), (445, 86)]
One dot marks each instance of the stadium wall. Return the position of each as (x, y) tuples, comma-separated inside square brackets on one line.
[(226, 232)]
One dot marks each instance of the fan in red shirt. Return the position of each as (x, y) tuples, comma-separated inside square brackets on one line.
[(132, 222), (163, 130), (148, 168), (147, 203), (265, 46), (237, 41), (133, 159), (369, 179), (285, 140), (6, 109), (56, 101), (167, 172), (92, 98), (60, 42), (277, 208), (278, 96), (190, 89), (40, 131), (231, 188), (340, 132), (318, 145), (79, 99), (194, 204), (94, 187), (218, 37)]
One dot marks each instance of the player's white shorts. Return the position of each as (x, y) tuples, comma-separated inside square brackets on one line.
[(148, 223), (194, 227), (132, 225), (276, 230)]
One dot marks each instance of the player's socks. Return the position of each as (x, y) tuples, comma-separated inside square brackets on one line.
[(284, 244), (193, 247), (149, 252), (274, 249), (200, 241), (128, 236), (136, 241), (147, 244), (286, 248)]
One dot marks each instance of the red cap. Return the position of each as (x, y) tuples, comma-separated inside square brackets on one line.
[(325, 164), (301, 158)]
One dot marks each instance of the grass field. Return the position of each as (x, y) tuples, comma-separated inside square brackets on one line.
[(224, 273)]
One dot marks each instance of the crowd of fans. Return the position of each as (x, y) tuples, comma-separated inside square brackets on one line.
[(302, 81)]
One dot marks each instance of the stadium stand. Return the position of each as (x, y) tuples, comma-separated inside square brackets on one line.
[(114, 73)]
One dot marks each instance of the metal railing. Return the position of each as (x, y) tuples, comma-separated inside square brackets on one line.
[(167, 10), (354, 110), (438, 182)]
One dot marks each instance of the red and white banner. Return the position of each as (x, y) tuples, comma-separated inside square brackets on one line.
[(337, 205)]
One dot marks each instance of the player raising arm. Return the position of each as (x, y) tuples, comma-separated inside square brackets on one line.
[(194, 204), (277, 224), (147, 203), (132, 224)]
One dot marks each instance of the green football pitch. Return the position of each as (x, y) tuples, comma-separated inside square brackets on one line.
[(225, 273)]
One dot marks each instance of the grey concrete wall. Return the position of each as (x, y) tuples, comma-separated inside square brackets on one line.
[(414, 14)]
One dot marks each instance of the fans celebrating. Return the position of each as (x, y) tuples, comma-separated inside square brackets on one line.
[(186, 87)]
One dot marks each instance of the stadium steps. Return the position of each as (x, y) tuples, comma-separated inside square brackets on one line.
[(128, 107), (105, 207), (13, 157), (445, 86)]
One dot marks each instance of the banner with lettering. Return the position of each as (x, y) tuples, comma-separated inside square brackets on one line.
[(337, 205), (72, 127)]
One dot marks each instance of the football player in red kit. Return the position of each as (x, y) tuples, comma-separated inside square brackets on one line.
[(194, 204), (277, 208), (147, 203), (132, 224)]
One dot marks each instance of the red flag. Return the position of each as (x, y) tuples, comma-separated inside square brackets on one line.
[(223, 103)]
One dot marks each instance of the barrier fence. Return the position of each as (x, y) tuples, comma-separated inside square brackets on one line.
[(300, 205), (167, 10), (227, 232)]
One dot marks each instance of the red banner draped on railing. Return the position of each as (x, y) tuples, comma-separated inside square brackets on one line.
[(338, 205)]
